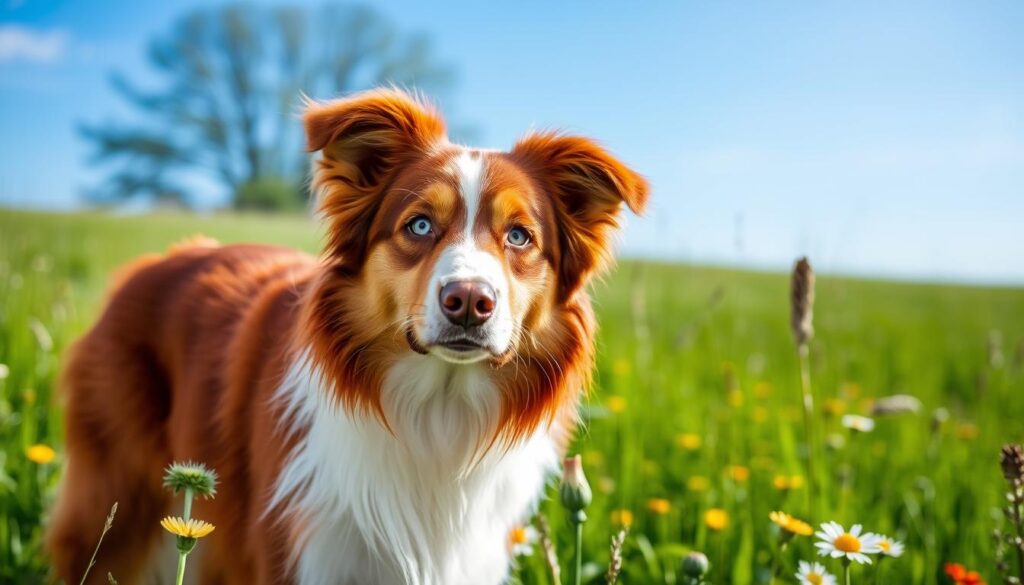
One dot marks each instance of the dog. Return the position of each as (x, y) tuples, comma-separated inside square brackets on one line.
[(385, 413)]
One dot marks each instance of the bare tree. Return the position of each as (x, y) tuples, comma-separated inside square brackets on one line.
[(232, 77)]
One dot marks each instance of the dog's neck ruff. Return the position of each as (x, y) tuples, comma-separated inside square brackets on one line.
[(428, 499)]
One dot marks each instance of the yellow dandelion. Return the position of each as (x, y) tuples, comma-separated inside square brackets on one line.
[(615, 404), (191, 528), (762, 390), (698, 483), (622, 517), (659, 506), (738, 473), (689, 441), (787, 482), (791, 524), (716, 519), (40, 453)]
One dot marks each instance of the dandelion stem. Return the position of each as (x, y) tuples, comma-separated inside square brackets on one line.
[(181, 568)]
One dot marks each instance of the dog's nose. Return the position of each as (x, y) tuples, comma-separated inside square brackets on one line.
[(467, 303)]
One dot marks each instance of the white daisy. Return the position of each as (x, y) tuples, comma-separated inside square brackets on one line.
[(861, 424), (889, 547), (836, 542), (521, 540), (814, 574)]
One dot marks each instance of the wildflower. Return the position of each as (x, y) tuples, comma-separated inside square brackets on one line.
[(191, 478), (784, 483), (716, 519), (689, 441), (967, 431), (622, 517), (191, 528), (791, 524), (889, 547), (961, 576), (605, 484), (659, 506), (738, 473), (698, 483), (762, 390), (521, 540), (850, 390), (838, 543), (40, 453), (735, 398), (759, 414), (861, 424), (834, 407), (1011, 460), (615, 404), (814, 574), (896, 404)]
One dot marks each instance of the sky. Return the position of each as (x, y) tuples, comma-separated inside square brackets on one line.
[(879, 138)]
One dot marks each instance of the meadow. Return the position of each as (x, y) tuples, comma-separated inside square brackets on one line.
[(696, 406)]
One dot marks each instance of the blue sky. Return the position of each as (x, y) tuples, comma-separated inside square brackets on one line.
[(879, 139)]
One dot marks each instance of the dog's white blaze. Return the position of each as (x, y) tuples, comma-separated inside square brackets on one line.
[(430, 504), (464, 260)]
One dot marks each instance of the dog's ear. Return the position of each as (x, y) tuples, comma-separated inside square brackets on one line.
[(364, 141), (588, 187)]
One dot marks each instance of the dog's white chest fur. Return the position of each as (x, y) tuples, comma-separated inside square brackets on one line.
[(426, 505)]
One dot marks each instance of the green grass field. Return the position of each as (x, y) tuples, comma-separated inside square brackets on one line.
[(683, 351)]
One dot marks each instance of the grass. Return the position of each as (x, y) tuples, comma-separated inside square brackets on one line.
[(683, 350)]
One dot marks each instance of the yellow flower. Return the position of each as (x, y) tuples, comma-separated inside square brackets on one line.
[(716, 519), (622, 517), (967, 431), (738, 473), (40, 453), (688, 441), (615, 404), (759, 414), (605, 484), (659, 506), (834, 407), (698, 483), (762, 390), (788, 482), (791, 524), (735, 398), (191, 528), (621, 367), (850, 390)]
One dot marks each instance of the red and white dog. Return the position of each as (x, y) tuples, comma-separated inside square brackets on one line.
[(383, 414)]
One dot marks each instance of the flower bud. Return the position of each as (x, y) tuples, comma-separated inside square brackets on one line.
[(1011, 459), (695, 565), (575, 491)]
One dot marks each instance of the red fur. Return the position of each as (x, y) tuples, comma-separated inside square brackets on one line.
[(186, 357)]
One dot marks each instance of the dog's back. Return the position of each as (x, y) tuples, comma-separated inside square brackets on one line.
[(158, 359)]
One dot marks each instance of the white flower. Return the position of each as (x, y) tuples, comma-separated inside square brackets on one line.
[(814, 574), (836, 542), (889, 547), (521, 540), (861, 424)]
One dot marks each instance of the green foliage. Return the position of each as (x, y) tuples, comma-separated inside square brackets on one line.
[(269, 194), (684, 349)]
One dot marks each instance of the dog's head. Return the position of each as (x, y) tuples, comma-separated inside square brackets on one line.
[(466, 255)]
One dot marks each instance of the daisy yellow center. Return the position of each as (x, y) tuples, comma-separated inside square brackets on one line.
[(518, 535), (885, 545), (847, 543), (814, 578)]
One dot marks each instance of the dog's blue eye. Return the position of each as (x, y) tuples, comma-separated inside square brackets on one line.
[(420, 226), (518, 237)]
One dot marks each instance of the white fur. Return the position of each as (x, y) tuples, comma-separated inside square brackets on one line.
[(464, 260), (431, 504)]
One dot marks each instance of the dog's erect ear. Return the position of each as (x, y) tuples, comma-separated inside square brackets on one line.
[(588, 186), (364, 140)]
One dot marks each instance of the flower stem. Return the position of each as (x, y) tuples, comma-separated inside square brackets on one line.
[(808, 402), (181, 568), (846, 571), (187, 513), (577, 571)]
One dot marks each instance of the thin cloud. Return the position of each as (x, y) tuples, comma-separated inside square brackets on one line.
[(21, 43)]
